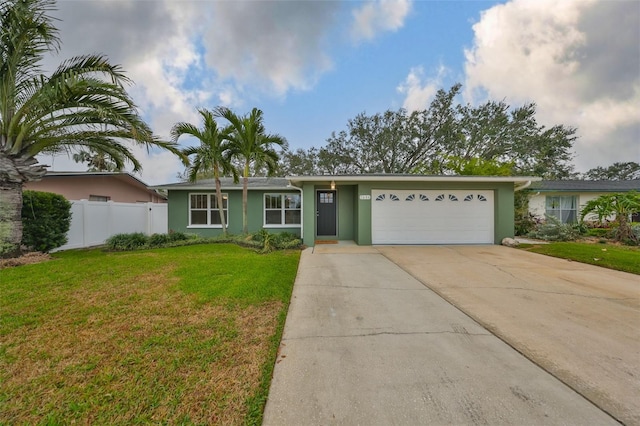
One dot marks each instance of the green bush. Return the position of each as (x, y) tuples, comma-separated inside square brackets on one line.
[(133, 241), (178, 236), (277, 241), (635, 232), (158, 240), (138, 240), (553, 230), (262, 241), (599, 232), (46, 219)]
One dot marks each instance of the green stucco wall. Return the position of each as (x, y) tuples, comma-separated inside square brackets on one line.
[(179, 213), (354, 213)]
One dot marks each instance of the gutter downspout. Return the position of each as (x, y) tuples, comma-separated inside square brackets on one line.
[(301, 209), (521, 187)]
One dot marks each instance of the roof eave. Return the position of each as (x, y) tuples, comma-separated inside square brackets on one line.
[(223, 188), (416, 178)]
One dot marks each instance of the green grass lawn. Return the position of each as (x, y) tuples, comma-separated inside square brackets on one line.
[(185, 335), (621, 258)]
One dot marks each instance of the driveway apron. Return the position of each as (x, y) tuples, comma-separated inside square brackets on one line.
[(367, 343)]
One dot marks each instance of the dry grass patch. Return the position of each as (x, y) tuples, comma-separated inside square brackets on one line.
[(134, 349), (25, 259)]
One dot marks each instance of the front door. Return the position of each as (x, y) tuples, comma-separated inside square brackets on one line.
[(326, 213)]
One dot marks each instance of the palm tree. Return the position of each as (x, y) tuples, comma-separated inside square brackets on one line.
[(83, 104), (96, 161), (209, 156), (252, 146)]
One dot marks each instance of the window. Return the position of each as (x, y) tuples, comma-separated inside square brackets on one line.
[(282, 209), (203, 210), (99, 198), (562, 208), (327, 198)]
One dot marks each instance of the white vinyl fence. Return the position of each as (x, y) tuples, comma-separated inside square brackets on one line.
[(92, 222)]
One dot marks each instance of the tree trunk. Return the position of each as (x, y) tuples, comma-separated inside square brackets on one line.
[(245, 190), (624, 230), (223, 221), (14, 171), (10, 215)]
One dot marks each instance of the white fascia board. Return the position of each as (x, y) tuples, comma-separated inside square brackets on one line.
[(416, 178), (224, 188)]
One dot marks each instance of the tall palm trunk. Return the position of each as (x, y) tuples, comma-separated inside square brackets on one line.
[(223, 221), (245, 190)]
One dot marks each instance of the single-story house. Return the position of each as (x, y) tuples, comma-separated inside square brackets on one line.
[(563, 199), (119, 187), (366, 209)]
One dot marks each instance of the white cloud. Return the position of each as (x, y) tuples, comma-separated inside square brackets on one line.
[(275, 45), (420, 90), (577, 60), (156, 44), (379, 16)]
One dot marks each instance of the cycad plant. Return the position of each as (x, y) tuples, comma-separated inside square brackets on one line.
[(83, 104)]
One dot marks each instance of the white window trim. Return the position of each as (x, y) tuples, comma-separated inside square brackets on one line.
[(283, 210), (209, 211), (576, 209)]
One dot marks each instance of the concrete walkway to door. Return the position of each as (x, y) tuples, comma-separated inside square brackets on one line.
[(367, 343)]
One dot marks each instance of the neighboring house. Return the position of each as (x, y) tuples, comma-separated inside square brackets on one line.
[(366, 209), (564, 198), (97, 186)]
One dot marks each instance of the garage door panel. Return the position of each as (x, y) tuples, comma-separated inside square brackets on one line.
[(432, 217)]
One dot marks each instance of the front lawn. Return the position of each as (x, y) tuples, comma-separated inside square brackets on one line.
[(185, 335), (621, 258)]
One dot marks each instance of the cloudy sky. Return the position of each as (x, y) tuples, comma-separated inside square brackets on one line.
[(313, 65)]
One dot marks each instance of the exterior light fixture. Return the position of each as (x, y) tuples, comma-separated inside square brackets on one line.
[(333, 185)]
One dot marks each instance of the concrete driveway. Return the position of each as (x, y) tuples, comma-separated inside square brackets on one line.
[(579, 322), (366, 342)]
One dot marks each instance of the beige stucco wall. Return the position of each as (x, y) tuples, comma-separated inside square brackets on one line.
[(120, 189)]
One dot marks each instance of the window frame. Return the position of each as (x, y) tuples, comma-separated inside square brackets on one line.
[(99, 198), (210, 209), (573, 218), (283, 210)]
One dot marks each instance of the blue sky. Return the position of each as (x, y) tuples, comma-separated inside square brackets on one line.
[(313, 65)]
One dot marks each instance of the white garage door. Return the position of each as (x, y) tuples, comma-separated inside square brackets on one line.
[(431, 217)]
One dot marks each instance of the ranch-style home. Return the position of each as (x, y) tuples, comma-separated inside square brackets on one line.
[(366, 209), (564, 199)]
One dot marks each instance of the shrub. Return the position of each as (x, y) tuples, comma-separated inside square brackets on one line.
[(598, 232), (131, 241), (138, 240), (177, 236), (525, 224), (286, 240), (267, 242), (46, 219), (553, 230), (635, 232), (158, 240), (632, 238)]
